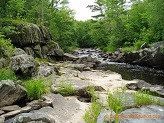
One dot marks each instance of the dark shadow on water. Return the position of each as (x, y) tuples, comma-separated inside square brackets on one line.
[(130, 72)]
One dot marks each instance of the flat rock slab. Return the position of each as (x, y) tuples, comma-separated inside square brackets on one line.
[(10, 108), (65, 110), (145, 114)]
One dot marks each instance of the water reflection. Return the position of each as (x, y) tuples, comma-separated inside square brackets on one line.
[(130, 72)]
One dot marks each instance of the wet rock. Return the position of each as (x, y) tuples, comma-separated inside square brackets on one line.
[(106, 116), (10, 108), (145, 114), (10, 92), (23, 65)]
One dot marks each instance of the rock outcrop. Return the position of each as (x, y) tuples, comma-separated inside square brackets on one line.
[(36, 41), (151, 57), (10, 92)]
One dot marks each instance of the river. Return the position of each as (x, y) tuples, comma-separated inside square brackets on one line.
[(128, 72)]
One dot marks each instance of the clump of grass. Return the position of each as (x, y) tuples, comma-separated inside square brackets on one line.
[(65, 89), (115, 101), (6, 73), (143, 98), (36, 88), (93, 112)]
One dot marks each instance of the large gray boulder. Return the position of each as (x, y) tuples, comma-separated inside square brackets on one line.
[(23, 65), (145, 114), (10, 92)]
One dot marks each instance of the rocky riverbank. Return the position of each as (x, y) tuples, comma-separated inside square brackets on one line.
[(55, 108), (69, 83)]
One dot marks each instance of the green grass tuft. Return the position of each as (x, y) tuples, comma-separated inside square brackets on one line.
[(36, 88), (115, 101), (65, 89), (143, 98), (93, 112), (7, 74)]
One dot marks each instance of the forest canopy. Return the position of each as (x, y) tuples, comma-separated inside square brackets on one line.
[(115, 26)]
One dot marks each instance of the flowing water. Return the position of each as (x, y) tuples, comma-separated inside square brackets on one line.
[(129, 72)]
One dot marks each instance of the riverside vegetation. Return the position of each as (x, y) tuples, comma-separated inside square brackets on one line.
[(116, 24), (115, 103)]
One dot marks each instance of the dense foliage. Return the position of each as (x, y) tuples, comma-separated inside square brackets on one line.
[(116, 25)]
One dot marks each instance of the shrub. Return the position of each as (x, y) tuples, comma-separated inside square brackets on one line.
[(65, 89), (6, 48), (7, 74), (35, 88)]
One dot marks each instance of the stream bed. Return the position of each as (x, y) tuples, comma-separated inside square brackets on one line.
[(127, 71)]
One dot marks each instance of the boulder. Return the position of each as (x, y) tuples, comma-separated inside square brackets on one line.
[(10, 92), (156, 89), (145, 114), (31, 118), (23, 65)]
